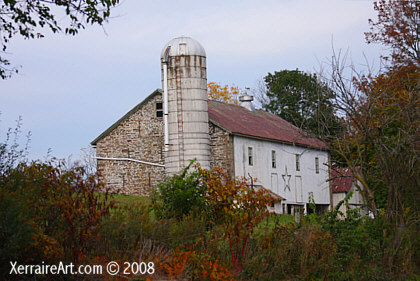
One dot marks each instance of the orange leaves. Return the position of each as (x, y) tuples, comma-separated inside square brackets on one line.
[(189, 263), (225, 94), (392, 98), (175, 264)]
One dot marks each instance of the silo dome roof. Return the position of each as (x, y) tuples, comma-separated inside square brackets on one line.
[(183, 46)]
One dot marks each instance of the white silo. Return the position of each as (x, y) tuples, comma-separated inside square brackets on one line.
[(184, 82)]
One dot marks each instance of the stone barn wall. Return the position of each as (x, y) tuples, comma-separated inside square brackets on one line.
[(140, 137), (221, 149)]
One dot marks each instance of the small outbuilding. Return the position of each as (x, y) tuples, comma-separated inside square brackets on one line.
[(343, 181)]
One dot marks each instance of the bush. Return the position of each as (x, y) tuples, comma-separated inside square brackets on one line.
[(49, 214), (179, 195), (292, 252), (193, 265), (124, 229)]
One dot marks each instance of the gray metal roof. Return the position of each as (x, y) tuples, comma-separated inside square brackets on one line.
[(191, 48)]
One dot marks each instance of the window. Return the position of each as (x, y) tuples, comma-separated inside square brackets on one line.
[(159, 109), (297, 162), (250, 157), (317, 165), (273, 159)]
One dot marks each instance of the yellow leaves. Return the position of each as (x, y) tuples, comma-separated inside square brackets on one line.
[(225, 93)]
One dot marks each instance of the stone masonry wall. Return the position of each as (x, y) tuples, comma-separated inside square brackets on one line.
[(139, 137), (221, 149)]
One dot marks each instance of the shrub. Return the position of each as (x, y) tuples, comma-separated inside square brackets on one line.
[(193, 265), (49, 213), (293, 252), (179, 195), (124, 229), (237, 206)]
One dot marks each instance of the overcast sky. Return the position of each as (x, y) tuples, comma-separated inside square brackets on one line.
[(70, 89)]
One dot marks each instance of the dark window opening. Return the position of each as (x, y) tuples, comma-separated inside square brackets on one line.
[(273, 159), (297, 162), (159, 109), (250, 157)]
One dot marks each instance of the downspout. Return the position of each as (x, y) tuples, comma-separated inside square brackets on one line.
[(129, 159), (165, 98)]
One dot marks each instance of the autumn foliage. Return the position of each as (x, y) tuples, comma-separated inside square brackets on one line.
[(227, 94), (397, 27), (49, 213), (205, 225), (381, 114), (238, 207), (194, 265)]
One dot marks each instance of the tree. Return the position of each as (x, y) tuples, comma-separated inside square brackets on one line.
[(381, 114), (398, 27), (11, 154), (301, 99), (225, 94), (28, 18), (381, 147)]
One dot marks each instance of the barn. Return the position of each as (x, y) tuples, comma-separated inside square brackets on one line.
[(161, 134)]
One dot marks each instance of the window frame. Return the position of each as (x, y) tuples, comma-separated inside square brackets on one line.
[(273, 159), (250, 156), (297, 162), (158, 111)]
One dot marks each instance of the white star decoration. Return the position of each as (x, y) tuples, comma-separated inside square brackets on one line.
[(286, 184)]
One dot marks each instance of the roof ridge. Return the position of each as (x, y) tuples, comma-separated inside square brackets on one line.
[(125, 116)]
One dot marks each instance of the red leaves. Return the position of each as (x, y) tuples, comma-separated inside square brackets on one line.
[(397, 27), (63, 206)]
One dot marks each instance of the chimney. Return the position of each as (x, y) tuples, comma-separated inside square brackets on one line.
[(246, 101)]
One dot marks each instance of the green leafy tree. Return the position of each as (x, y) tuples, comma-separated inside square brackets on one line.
[(303, 100), (28, 18)]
